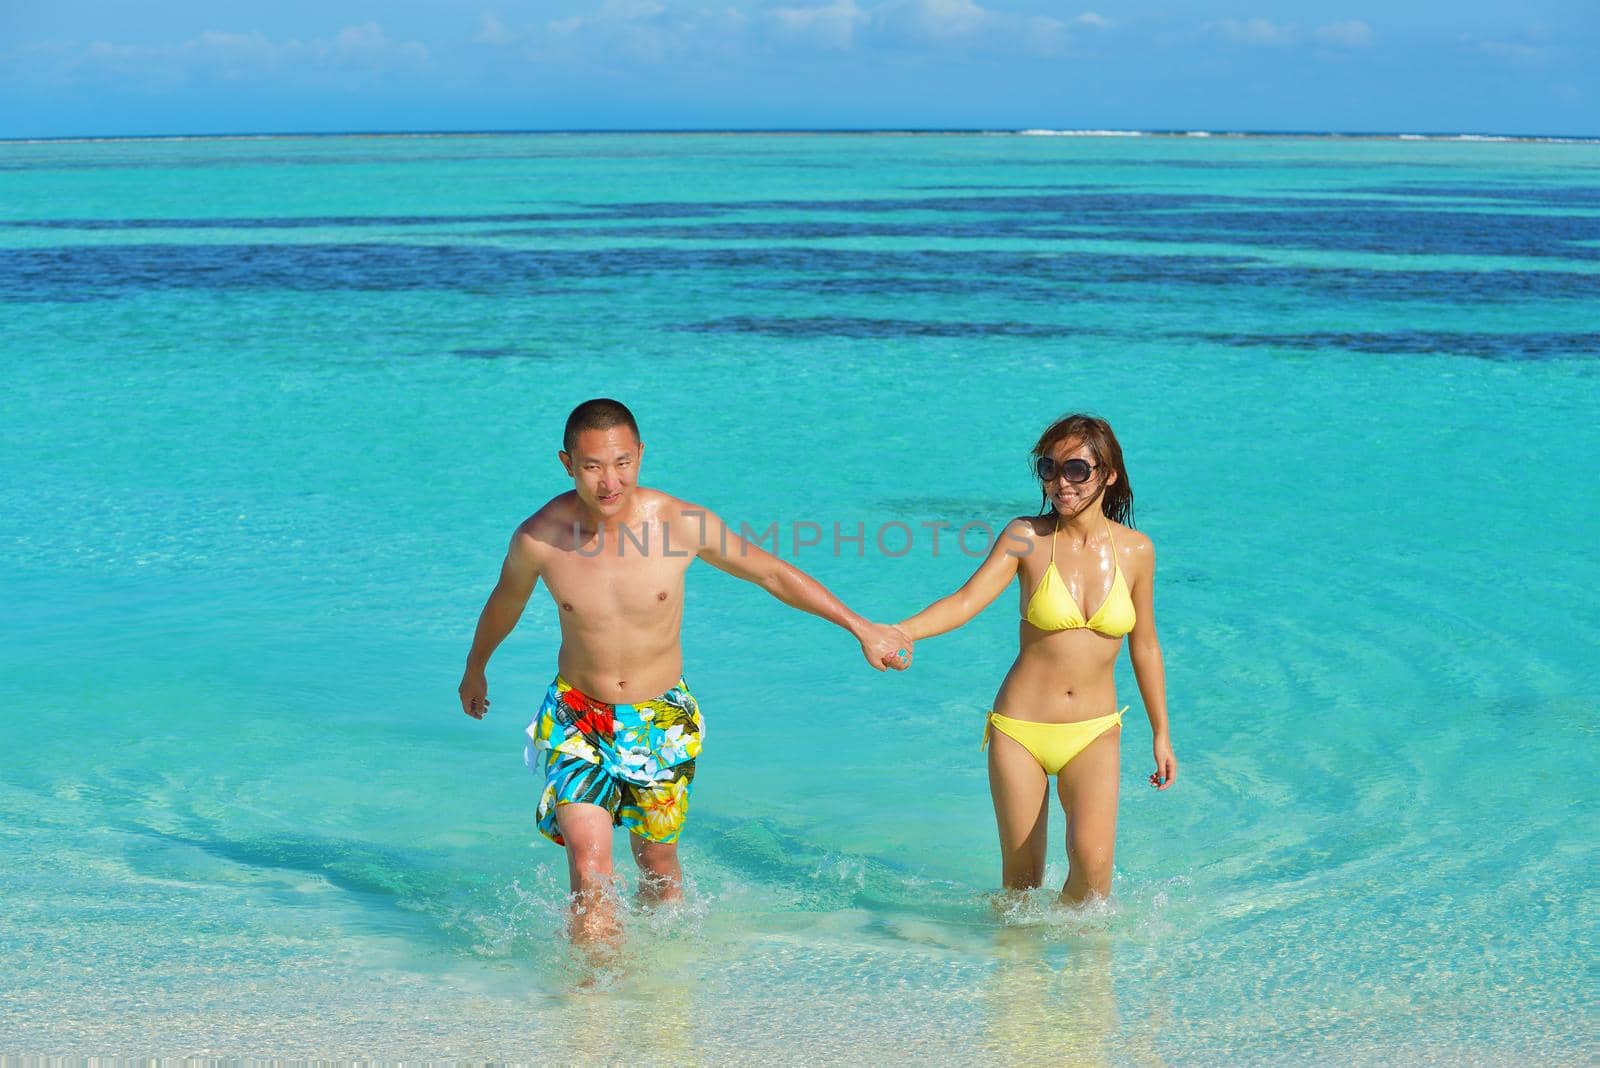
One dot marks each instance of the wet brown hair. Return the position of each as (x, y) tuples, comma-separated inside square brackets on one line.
[(1116, 500), (602, 413)]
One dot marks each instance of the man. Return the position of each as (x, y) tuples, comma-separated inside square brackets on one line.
[(618, 732)]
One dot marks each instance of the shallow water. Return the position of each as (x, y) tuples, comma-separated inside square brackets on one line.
[(274, 407)]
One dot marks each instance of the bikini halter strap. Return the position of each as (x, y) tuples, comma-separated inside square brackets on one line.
[(1109, 537)]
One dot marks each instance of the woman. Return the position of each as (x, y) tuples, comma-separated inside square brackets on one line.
[(1086, 583)]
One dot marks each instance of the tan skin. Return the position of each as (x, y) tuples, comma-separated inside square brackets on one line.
[(613, 555), (1064, 677)]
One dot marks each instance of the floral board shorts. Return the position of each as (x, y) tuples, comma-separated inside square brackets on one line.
[(635, 761)]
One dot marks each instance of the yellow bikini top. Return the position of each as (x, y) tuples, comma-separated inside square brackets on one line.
[(1052, 608)]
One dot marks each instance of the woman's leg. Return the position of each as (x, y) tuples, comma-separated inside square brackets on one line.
[(1088, 788), (1021, 793)]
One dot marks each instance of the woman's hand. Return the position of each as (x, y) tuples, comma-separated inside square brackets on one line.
[(1166, 764), (885, 646)]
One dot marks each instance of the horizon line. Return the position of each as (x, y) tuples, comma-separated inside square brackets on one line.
[(1175, 132)]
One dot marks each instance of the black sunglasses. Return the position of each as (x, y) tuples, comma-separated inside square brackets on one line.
[(1073, 470)]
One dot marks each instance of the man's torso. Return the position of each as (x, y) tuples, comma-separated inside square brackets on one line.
[(618, 592)]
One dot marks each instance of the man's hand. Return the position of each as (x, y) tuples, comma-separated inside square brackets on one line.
[(886, 646), (474, 692)]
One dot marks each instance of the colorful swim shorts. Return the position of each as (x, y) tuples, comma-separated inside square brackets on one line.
[(635, 761)]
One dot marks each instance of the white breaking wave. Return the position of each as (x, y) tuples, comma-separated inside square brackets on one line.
[(1081, 133)]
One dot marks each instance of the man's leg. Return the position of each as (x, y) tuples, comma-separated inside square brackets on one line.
[(587, 830), (660, 876)]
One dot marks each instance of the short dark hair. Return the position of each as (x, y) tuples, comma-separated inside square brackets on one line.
[(602, 413)]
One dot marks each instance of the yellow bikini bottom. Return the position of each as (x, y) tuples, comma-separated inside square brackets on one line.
[(1052, 744)]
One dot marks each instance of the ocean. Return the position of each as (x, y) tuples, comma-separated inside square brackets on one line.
[(273, 407)]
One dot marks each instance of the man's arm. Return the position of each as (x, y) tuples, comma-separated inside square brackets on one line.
[(882, 645), (518, 575)]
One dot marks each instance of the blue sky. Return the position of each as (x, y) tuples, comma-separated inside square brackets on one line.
[(84, 67)]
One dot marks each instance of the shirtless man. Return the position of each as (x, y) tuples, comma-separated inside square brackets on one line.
[(618, 732)]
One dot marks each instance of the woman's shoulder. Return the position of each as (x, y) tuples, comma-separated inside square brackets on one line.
[(1031, 527), (1132, 545), (1128, 535)]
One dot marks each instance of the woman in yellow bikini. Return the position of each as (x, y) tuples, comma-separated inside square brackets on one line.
[(1086, 578)]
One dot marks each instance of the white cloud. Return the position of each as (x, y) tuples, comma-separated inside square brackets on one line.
[(1256, 32), (367, 44), (1351, 34), (963, 25), (652, 31), (644, 31), (491, 31), (220, 56), (1041, 35), (1515, 51), (932, 20), (832, 27), (1532, 49)]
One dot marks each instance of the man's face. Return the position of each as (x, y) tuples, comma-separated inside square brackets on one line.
[(604, 465)]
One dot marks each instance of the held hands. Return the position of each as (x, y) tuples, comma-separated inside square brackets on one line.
[(474, 691), (1166, 765), (886, 646)]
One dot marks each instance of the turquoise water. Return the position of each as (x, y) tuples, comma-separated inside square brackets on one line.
[(273, 407)]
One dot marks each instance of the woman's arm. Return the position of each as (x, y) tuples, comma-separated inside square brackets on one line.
[(1144, 649), (979, 591)]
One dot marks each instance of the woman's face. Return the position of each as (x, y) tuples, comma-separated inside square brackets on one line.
[(1070, 459)]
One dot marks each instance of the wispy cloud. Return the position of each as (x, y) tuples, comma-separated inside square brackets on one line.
[(653, 31), (644, 31), (491, 31), (1258, 32), (933, 20), (1351, 34), (1515, 51), (1532, 47), (965, 25), (222, 57), (833, 27)]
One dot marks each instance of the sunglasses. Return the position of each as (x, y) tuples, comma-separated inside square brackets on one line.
[(1074, 470)]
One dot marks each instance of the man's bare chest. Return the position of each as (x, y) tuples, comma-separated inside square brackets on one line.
[(608, 584)]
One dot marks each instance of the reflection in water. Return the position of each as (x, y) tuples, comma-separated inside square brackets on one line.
[(1051, 1003), (636, 1001), (1051, 997)]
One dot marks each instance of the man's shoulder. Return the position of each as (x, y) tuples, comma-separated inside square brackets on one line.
[(663, 505), (556, 515)]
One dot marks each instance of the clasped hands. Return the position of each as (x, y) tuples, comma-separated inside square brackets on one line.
[(886, 646)]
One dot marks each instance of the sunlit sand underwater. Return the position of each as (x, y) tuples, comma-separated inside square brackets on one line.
[(273, 408)]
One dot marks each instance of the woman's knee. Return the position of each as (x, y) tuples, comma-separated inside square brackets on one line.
[(1094, 862)]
